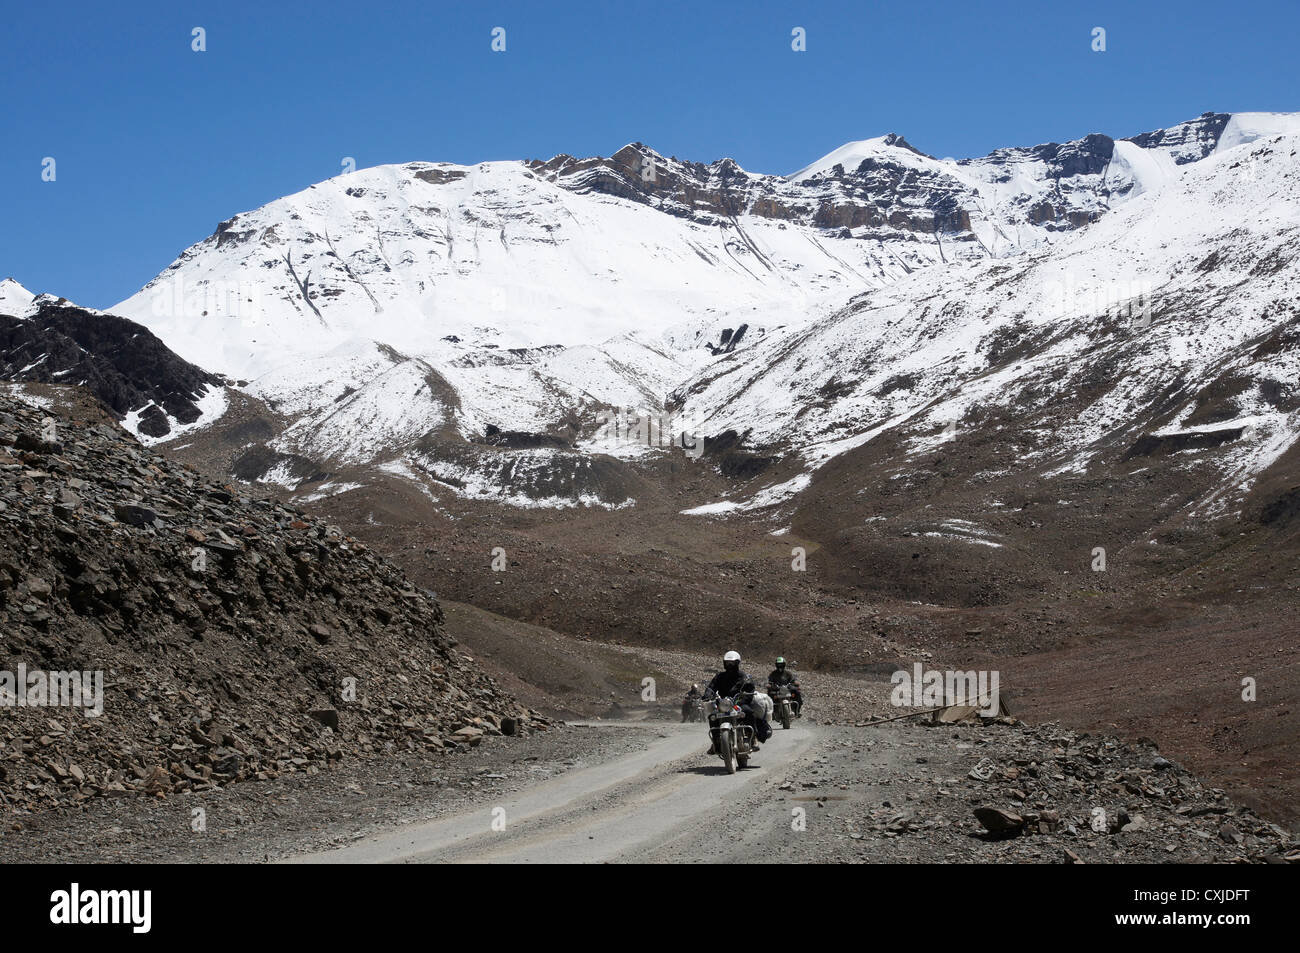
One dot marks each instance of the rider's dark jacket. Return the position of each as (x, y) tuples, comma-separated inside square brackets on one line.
[(781, 676), (728, 683)]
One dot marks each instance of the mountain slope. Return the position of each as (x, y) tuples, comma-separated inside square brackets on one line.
[(1169, 324), (234, 638), (399, 317), (14, 298)]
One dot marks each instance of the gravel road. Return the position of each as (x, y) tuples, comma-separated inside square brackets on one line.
[(617, 810), (646, 792)]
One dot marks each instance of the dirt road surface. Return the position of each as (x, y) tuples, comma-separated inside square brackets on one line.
[(637, 791), (619, 810)]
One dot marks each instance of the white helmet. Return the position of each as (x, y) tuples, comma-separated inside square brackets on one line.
[(729, 658)]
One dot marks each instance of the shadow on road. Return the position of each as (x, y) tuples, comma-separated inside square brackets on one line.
[(717, 769)]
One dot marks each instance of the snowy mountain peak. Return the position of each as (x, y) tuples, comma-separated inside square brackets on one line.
[(441, 306), (852, 154), (14, 298)]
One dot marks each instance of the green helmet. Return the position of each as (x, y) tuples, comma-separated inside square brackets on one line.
[(780, 662)]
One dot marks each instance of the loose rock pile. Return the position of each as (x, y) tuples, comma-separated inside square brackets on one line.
[(1005, 791), (237, 637), (1093, 794)]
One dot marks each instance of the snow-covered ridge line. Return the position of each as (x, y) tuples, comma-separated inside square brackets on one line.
[(1171, 294), (425, 303)]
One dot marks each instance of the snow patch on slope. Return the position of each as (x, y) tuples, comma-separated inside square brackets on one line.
[(15, 300), (1245, 128)]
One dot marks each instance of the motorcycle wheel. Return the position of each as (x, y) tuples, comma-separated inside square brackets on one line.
[(785, 717), (724, 750)]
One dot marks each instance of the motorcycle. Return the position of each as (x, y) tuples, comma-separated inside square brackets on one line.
[(693, 709), (731, 733), (786, 706)]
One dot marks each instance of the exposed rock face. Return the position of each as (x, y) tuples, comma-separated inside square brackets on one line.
[(1189, 141), (876, 193), (890, 186), (236, 638), (120, 362), (1086, 156), (687, 189)]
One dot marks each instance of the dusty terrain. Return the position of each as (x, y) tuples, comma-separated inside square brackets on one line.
[(592, 603), (645, 791), (1168, 632)]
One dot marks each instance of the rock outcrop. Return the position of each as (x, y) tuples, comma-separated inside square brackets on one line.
[(122, 363), (233, 638)]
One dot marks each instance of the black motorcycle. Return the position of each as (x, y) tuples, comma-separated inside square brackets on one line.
[(785, 705), (732, 735), (693, 709)]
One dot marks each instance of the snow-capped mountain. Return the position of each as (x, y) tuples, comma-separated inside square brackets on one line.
[(472, 321), (1169, 324)]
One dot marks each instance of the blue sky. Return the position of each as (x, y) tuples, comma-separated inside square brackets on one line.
[(155, 143)]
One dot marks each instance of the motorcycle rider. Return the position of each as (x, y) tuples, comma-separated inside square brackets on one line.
[(688, 702), (729, 683), (782, 676)]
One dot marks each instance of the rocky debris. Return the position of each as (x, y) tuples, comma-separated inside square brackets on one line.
[(237, 637), (297, 811), (891, 823), (1000, 790), (1048, 781), (1001, 822)]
